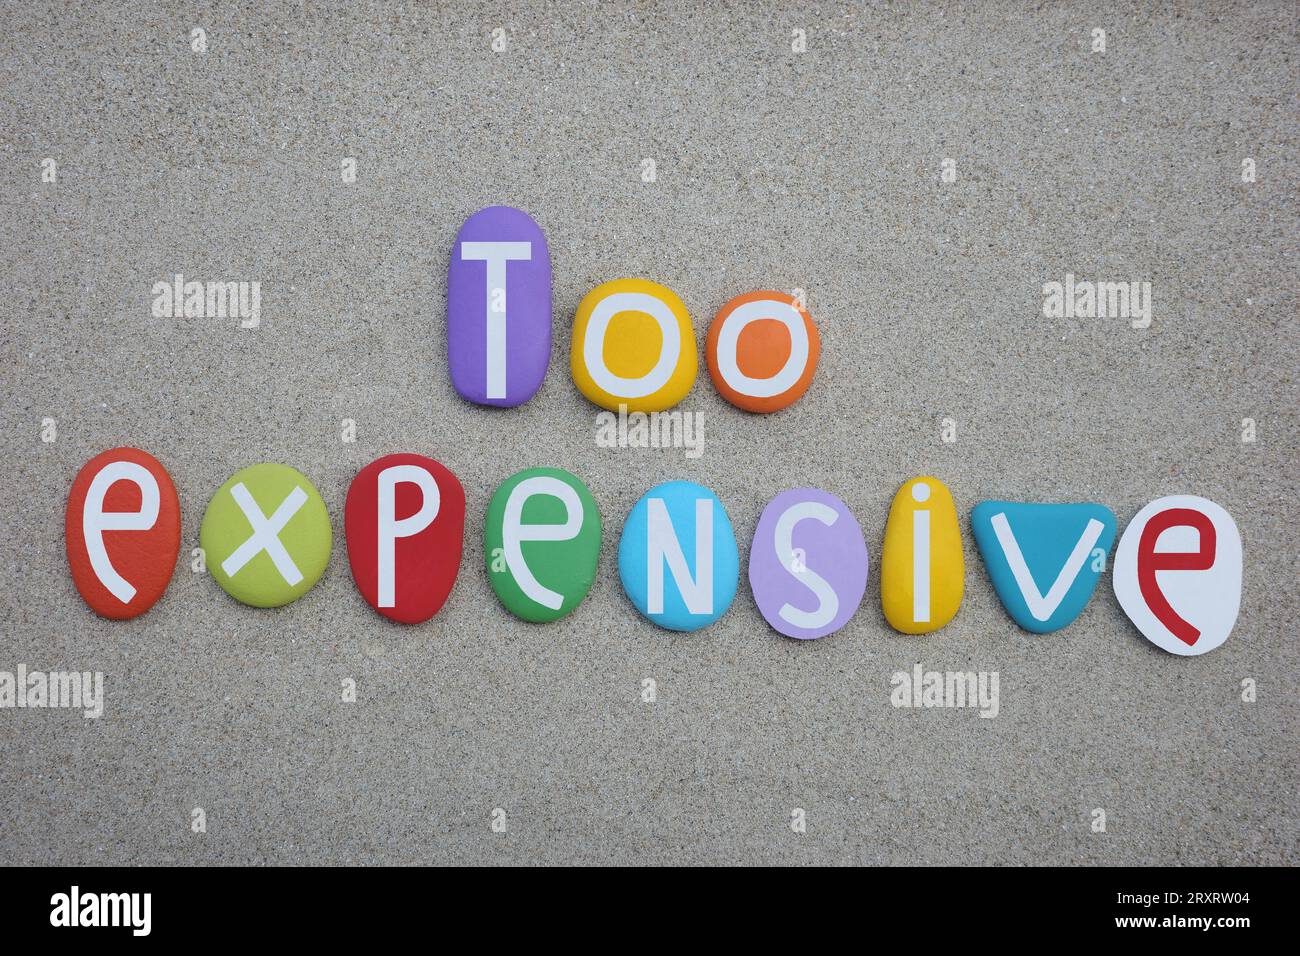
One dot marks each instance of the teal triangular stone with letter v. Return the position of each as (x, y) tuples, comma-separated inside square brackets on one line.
[(1044, 559)]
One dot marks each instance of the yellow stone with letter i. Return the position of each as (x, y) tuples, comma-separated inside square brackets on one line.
[(922, 572)]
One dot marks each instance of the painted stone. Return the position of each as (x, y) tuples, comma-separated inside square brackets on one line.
[(922, 570), (633, 346), (122, 531), (677, 558), (405, 524), (808, 563), (499, 307), (541, 541), (1044, 559), (266, 535), (762, 351), (1177, 573)]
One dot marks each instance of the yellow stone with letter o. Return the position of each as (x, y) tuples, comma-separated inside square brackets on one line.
[(633, 346)]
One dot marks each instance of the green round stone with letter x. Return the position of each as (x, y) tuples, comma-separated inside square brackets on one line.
[(266, 535)]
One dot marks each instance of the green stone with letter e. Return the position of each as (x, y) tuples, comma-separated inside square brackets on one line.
[(541, 540)]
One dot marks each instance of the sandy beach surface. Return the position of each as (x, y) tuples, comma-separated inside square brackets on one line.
[(821, 170)]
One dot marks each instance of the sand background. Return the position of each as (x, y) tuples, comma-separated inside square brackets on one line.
[(778, 170)]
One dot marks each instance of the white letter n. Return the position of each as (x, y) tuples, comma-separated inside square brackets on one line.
[(662, 545)]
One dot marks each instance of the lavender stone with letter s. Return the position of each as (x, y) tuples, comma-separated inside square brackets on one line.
[(808, 563)]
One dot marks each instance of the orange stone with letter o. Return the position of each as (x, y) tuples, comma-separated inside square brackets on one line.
[(762, 351)]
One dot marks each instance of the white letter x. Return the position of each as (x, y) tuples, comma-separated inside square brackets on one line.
[(266, 534)]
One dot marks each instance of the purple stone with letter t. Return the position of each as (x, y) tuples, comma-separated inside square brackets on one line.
[(808, 563), (499, 307)]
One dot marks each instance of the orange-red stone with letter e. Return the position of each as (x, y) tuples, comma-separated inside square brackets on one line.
[(123, 532), (762, 351)]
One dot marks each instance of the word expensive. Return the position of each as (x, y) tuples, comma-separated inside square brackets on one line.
[(267, 537)]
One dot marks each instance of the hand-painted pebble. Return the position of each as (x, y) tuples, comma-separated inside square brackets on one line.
[(122, 530), (1177, 573), (266, 535), (677, 558), (762, 351), (405, 524), (808, 563), (1044, 559), (922, 571), (499, 307), (541, 540), (633, 346)]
